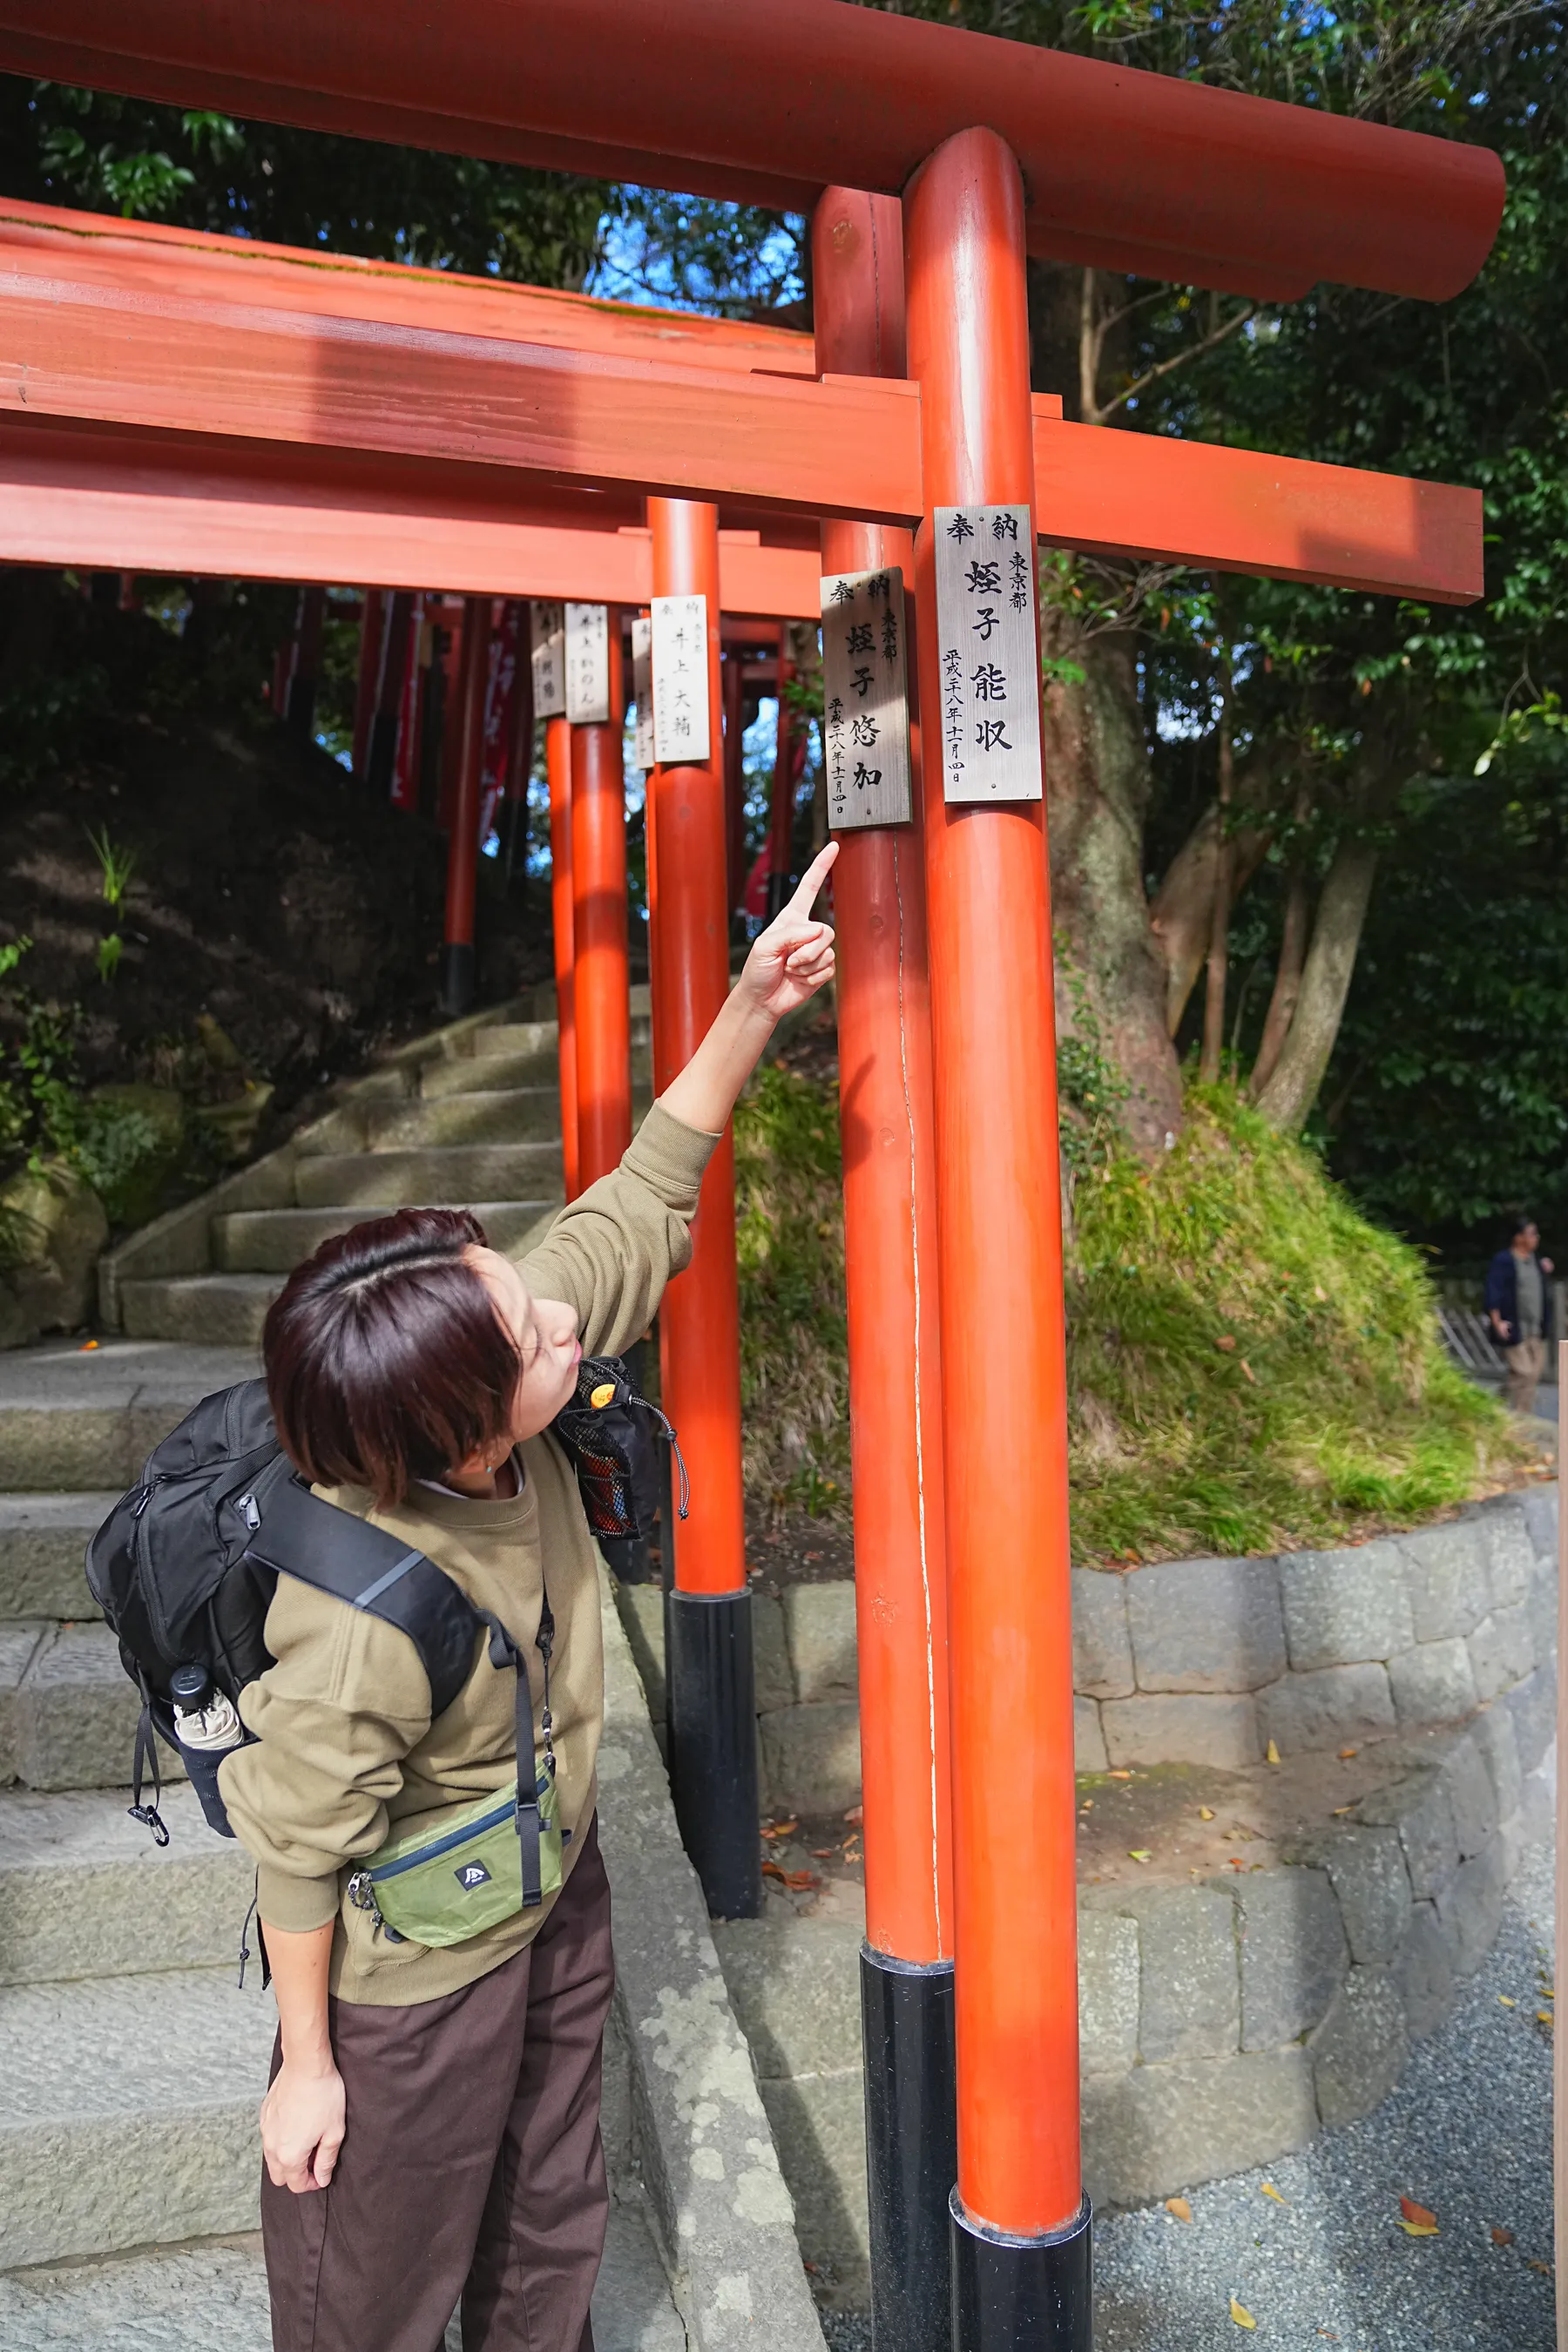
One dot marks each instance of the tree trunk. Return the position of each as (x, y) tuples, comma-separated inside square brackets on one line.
[(1219, 931), (1293, 1089), (1287, 983), (1096, 770)]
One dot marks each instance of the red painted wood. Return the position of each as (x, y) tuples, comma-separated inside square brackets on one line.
[(1243, 510), (886, 1121), (558, 770), (465, 724), (109, 497), (688, 956), (183, 364), (152, 259), (601, 999), (1127, 171), (1000, 1240)]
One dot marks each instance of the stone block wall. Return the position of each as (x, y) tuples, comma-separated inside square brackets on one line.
[(1206, 1661)]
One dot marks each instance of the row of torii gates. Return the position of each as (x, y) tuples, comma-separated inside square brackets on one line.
[(176, 404)]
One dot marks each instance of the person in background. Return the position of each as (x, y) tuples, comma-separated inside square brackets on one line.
[(1518, 1308)]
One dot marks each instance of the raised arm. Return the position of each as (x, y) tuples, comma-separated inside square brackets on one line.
[(788, 963), (611, 1251)]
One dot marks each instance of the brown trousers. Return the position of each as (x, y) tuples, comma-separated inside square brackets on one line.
[(472, 2165), (1526, 1364)]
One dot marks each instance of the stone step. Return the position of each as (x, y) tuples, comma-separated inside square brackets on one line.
[(534, 1036), (442, 1174), (215, 2296), (466, 1074), (42, 1539), (274, 1241), (85, 1891), (127, 2111), (510, 1037), (210, 1310), (488, 1115), (81, 1419), (67, 1709)]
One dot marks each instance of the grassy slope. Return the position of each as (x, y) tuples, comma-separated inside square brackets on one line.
[(1252, 1366)]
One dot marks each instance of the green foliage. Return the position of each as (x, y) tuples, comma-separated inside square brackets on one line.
[(204, 170), (1089, 1087), (116, 862), (1251, 1364), (48, 719), (790, 1252)]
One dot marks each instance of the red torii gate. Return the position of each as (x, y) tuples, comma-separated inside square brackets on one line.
[(1127, 171)]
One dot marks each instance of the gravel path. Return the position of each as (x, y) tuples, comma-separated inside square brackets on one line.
[(1466, 2134)]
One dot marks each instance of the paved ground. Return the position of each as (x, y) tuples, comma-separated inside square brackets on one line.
[(1468, 2134), (212, 2297)]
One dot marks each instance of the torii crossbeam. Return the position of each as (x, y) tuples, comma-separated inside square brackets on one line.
[(1080, 160)]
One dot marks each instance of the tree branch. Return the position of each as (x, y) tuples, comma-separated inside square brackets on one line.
[(1168, 367)]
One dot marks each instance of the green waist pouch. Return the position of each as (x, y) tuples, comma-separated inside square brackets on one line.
[(482, 1862), (444, 1884)]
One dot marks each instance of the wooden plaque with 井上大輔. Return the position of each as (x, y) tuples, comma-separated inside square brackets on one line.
[(865, 699), (988, 654)]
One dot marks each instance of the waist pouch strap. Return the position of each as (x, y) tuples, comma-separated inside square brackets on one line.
[(504, 1652)]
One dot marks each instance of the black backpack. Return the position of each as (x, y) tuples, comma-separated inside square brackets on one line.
[(185, 1565)]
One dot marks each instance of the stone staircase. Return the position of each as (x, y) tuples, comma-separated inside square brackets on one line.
[(130, 2062)]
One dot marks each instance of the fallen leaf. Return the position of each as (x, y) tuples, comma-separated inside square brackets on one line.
[(1137, 1853), (1271, 1754), (780, 1829), (1087, 1806), (856, 1813), (1206, 1812), (1180, 2208), (1240, 2313), (1548, 1993), (1236, 1862), (1414, 2212), (1226, 1341), (822, 1852), (1532, 2264), (814, 1555), (1268, 2190), (796, 1880), (1340, 1812), (1418, 2229), (1346, 1753), (1544, 2017), (1502, 2237), (1504, 2002), (87, 1347), (1120, 1776)]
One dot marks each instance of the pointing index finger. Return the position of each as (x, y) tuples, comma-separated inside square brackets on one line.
[(812, 880)]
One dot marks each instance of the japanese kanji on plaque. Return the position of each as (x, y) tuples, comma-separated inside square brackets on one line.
[(988, 654), (587, 665), (865, 699), (547, 625), (680, 720), (642, 688)]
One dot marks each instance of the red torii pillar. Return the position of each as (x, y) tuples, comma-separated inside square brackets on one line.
[(895, 1409), (708, 1675), (1021, 2242), (558, 772), (463, 830), (601, 995)]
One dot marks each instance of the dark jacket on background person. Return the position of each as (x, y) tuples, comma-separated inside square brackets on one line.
[(1502, 1292)]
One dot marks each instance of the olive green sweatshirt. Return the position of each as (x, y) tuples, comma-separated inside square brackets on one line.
[(345, 1751)]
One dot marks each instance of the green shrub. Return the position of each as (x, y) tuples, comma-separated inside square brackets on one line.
[(1251, 1365), (795, 1385)]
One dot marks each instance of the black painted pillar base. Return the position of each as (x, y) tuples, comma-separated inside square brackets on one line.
[(712, 1709), (457, 977), (1022, 2295), (912, 2149)]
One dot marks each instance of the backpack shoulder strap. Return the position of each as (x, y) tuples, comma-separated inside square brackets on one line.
[(339, 1553)]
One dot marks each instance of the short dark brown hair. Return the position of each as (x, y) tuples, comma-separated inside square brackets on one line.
[(386, 1361)]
